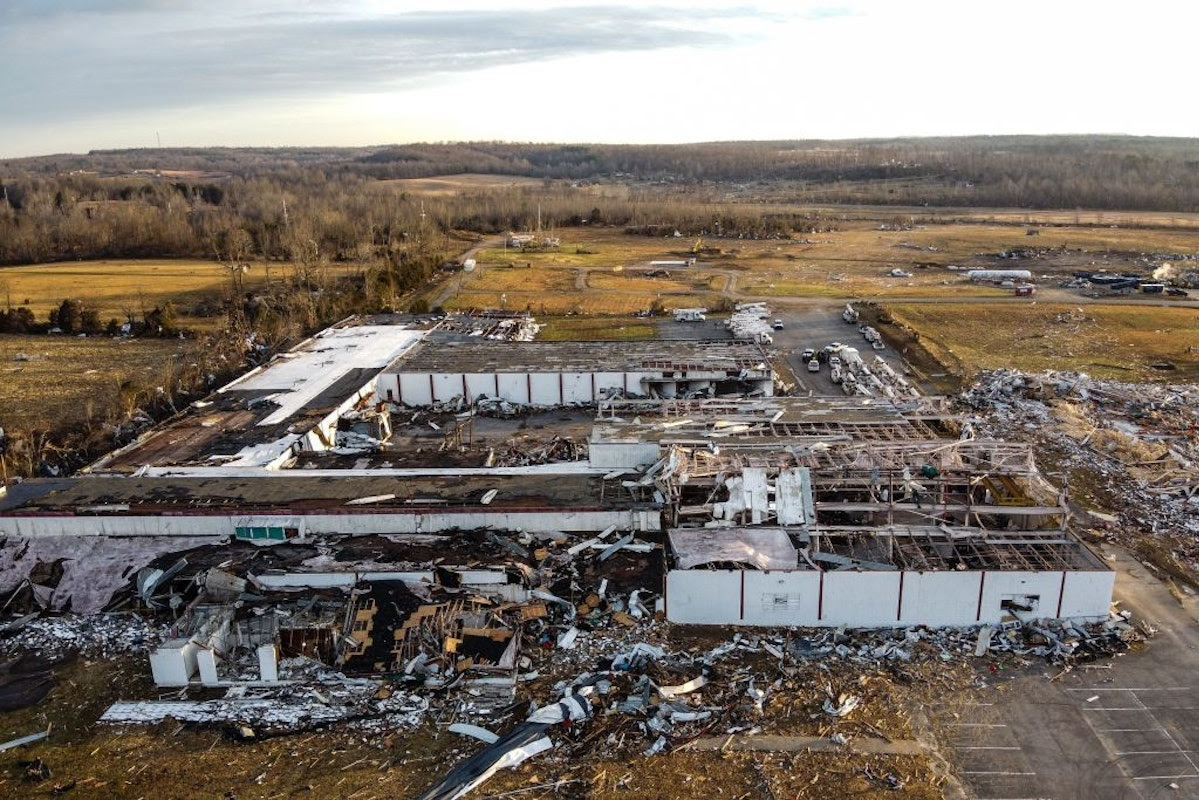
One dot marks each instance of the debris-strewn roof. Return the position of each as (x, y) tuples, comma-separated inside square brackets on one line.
[(300, 492), (764, 548), (440, 354)]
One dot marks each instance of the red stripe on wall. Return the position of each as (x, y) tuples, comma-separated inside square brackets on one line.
[(1061, 592), (820, 599), (899, 608), (742, 595), (982, 580)]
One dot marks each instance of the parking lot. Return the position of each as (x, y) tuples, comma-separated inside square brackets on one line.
[(1088, 740), (813, 327), (1124, 729), (817, 327)]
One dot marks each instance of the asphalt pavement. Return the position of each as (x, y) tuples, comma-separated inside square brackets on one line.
[(1128, 728)]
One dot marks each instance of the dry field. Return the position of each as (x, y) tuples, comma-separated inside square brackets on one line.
[(852, 262), (46, 381), (117, 288), (1106, 341), (562, 303), (589, 328), (1018, 216), (457, 184)]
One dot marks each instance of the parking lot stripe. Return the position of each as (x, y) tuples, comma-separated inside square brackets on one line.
[(972, 772), (985, 747), (1130, 689)]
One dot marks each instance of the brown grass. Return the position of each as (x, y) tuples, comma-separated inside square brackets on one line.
[(636, 281), (588, 328), (1106, 341), (441, 185), (69, 380), (507, 279), (118, 287)]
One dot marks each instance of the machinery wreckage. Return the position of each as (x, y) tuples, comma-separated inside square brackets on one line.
[(822, 529)]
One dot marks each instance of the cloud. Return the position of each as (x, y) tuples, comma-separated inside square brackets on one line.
[(130, 55), (17, 10)]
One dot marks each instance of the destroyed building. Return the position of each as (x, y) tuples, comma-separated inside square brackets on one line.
[(749, 508)]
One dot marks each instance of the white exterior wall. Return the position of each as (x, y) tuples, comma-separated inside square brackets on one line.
[(414, 389), (545, 389), (514, 388), (222, 525), (860, 599), (940, 598), (606, 382), (781, 598), (480, 385), (576, 388), (447, 386), (872, 599), (1088, 594), (548, 388), (999, 585), (703, 597), (388, 382)]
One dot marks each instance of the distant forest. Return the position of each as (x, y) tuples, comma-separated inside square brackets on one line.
[(321, 204)]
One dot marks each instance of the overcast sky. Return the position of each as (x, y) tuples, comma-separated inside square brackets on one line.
[(86, 74)]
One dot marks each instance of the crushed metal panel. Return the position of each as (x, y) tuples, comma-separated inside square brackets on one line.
[(756, 493), (764, 548), (793, 497)]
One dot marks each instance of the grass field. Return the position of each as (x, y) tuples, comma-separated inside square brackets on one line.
[(47, 381), (606, 271), (115, 288), (854, 261), (574, 302), (455, 184), (634, 281), (1106, 341), (590, 328)]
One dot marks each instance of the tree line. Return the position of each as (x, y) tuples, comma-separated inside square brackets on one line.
[(314, 206)]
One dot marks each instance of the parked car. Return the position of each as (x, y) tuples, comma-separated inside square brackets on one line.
[(778, 324), (808, 354), (813, 366)]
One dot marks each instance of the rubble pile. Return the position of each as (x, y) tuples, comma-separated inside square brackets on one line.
[(92, 635), (523, 454), (496, 325), (486, 406), (288, 709), (648, 694), (1139, 443)]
